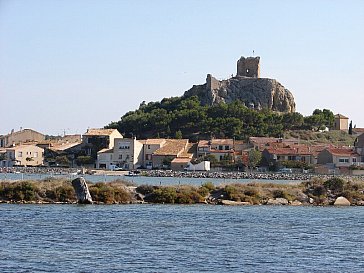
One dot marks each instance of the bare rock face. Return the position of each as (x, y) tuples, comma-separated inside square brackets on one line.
[(256, 93), (82, 192)]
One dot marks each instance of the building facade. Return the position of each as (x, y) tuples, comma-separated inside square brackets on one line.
[(23, 155), (21, 137)]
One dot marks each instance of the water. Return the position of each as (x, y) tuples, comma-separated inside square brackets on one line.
[(141, 180), (177, 238)]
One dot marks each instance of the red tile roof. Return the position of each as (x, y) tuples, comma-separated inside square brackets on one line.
[(342, 151)]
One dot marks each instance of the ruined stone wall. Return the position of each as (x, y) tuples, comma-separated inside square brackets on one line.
[(249, 67), (212, 83)]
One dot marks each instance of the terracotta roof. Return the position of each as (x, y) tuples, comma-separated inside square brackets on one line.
[(342, 151), (227, 141), (22, 146), (358, 130), (290, 151), (155, 141), (341, 116), (105, 151), (203, 143), (173, 147), (64, 146), (181, 160), (99, 132), (216, 141)]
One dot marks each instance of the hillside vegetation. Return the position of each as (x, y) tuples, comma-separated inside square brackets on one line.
[(179, 117), (338, 138)]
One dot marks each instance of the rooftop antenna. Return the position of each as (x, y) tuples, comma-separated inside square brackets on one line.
[(253, 52)]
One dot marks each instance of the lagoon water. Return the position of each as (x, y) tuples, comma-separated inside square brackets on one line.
[(180, 238)]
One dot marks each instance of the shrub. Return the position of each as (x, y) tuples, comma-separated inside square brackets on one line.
[(335, 184), (19, 191), (282, 194), (145, 189), (208, 185), (165, 195)]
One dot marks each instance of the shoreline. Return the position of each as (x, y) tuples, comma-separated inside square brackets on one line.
[(316, 192)]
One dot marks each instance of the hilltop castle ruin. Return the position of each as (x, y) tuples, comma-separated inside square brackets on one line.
[(246, 86)]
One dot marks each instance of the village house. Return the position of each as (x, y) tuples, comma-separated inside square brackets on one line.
[(339, 157), (173, 148), (95, 140), (341, 123), (273, 155), (221, 149), (180, 164), (260, 143), (128, 153), (279, 152), (150, 146), (105, 158), (22, 155), (21, 137)]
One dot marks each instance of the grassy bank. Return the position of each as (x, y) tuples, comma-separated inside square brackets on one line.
[(314, 192)]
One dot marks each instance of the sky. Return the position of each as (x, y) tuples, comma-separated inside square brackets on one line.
[(66, 66)]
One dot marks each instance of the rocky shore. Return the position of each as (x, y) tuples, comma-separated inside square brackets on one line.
[(334, 191), (243, 175), (39, 170)]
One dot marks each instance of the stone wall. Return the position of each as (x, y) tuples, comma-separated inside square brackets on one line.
[(211, 82), (248, 67)]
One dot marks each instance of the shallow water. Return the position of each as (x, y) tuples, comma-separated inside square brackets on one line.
[(177, 238), (140, 180)]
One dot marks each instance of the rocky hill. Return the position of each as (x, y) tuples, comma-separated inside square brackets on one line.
[(247, 86), (255, 93)]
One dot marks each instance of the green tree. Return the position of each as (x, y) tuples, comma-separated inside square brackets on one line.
[(84, 160), (178, 135), (62, 160), (254, 157), (351, 128)]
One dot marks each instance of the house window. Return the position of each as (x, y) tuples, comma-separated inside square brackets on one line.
[(148, 146), (227, 147), (354, 160), (123, 147), (220, 147), (120, 156), (35, 154), (148, 157), (221, 157), (344, 160), (20, 154)]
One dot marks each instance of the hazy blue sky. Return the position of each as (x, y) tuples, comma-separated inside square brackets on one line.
[(69, 65)]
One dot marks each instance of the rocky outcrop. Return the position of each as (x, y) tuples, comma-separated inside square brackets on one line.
[(257, 93), (82, 192), (342, 201), (234, 203), (277, 201)]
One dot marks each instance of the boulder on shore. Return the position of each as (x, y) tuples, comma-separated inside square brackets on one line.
[(341, 201), (82, 192), (277, 201), (234, 203)]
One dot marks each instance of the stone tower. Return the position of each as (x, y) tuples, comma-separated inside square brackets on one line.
[(249, 67)]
